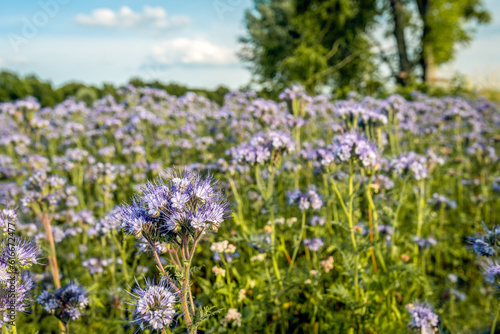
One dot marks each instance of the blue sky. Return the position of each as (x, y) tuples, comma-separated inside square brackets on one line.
[(191, 42)]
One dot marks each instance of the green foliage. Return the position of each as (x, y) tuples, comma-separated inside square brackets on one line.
[(314, 43), (13, 86), (449, 25)]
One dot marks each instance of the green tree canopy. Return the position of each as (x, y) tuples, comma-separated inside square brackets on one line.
[(311, 42)]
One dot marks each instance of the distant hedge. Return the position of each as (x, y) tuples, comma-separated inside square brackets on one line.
[(14, 86)]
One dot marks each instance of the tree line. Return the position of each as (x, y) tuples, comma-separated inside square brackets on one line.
[(14, 86), (343, 44)]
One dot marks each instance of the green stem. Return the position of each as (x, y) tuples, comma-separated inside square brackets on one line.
[(395, 221), (347, 213), (493, 326), (420, 215), (273, 247), (299, 240)]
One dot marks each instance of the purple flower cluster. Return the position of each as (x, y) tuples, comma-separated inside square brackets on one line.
[(306, 200), (351, 111), (314, 244), (485, 244), (66, 303), (296, 92), (423, 318), (154, 306), (317, 220), (262, 148), (351, 146), (425, 243), (26, 253), (179, 203), (492, 272), (411, 163), (438, 200), (21, 299)]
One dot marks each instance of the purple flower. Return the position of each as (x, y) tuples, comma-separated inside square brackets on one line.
[(425, 243), (154, 306), (317, 220), (492, 272), (26, 253), (262, 148), (136, 220), (23, 287), (350, 146), (66, 303), (178, 203), (423, 318), (411, 162), (313, 244), (306, 200), (484, 245)]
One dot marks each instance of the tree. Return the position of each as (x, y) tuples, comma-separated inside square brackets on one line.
[(439, 28), (444, 28), (42, 91), (311, 42), (405, 68), (13, 87)]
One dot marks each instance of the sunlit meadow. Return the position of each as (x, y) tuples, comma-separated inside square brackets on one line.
[(154, 213)]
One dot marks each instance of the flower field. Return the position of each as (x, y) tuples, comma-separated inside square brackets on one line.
[(154, 213)]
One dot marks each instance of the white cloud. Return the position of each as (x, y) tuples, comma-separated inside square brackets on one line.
[(192, 51), (1, 61), (151, 17)]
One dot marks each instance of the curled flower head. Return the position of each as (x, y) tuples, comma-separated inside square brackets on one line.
[(7, 217), (352, 146), (492, 272), (423, 318), (66, 303), (179, 203), (485, 243), (25, 253), (416, 165), (153, 306), (314, 244), (263, 148), (305, 200), (136, 220), (15, 294)]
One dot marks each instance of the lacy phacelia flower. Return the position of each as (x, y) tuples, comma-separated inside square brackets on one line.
[(317, 220), (263, 148), (484, 245), (425, 243), (154, 306), (353, 146), (7, 216), (423, 318), (21, 290), (179, 203), (24, 252), (314, 244), (306, 200), (438, 200), (411, 162), (66, 303), (492, 272)]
